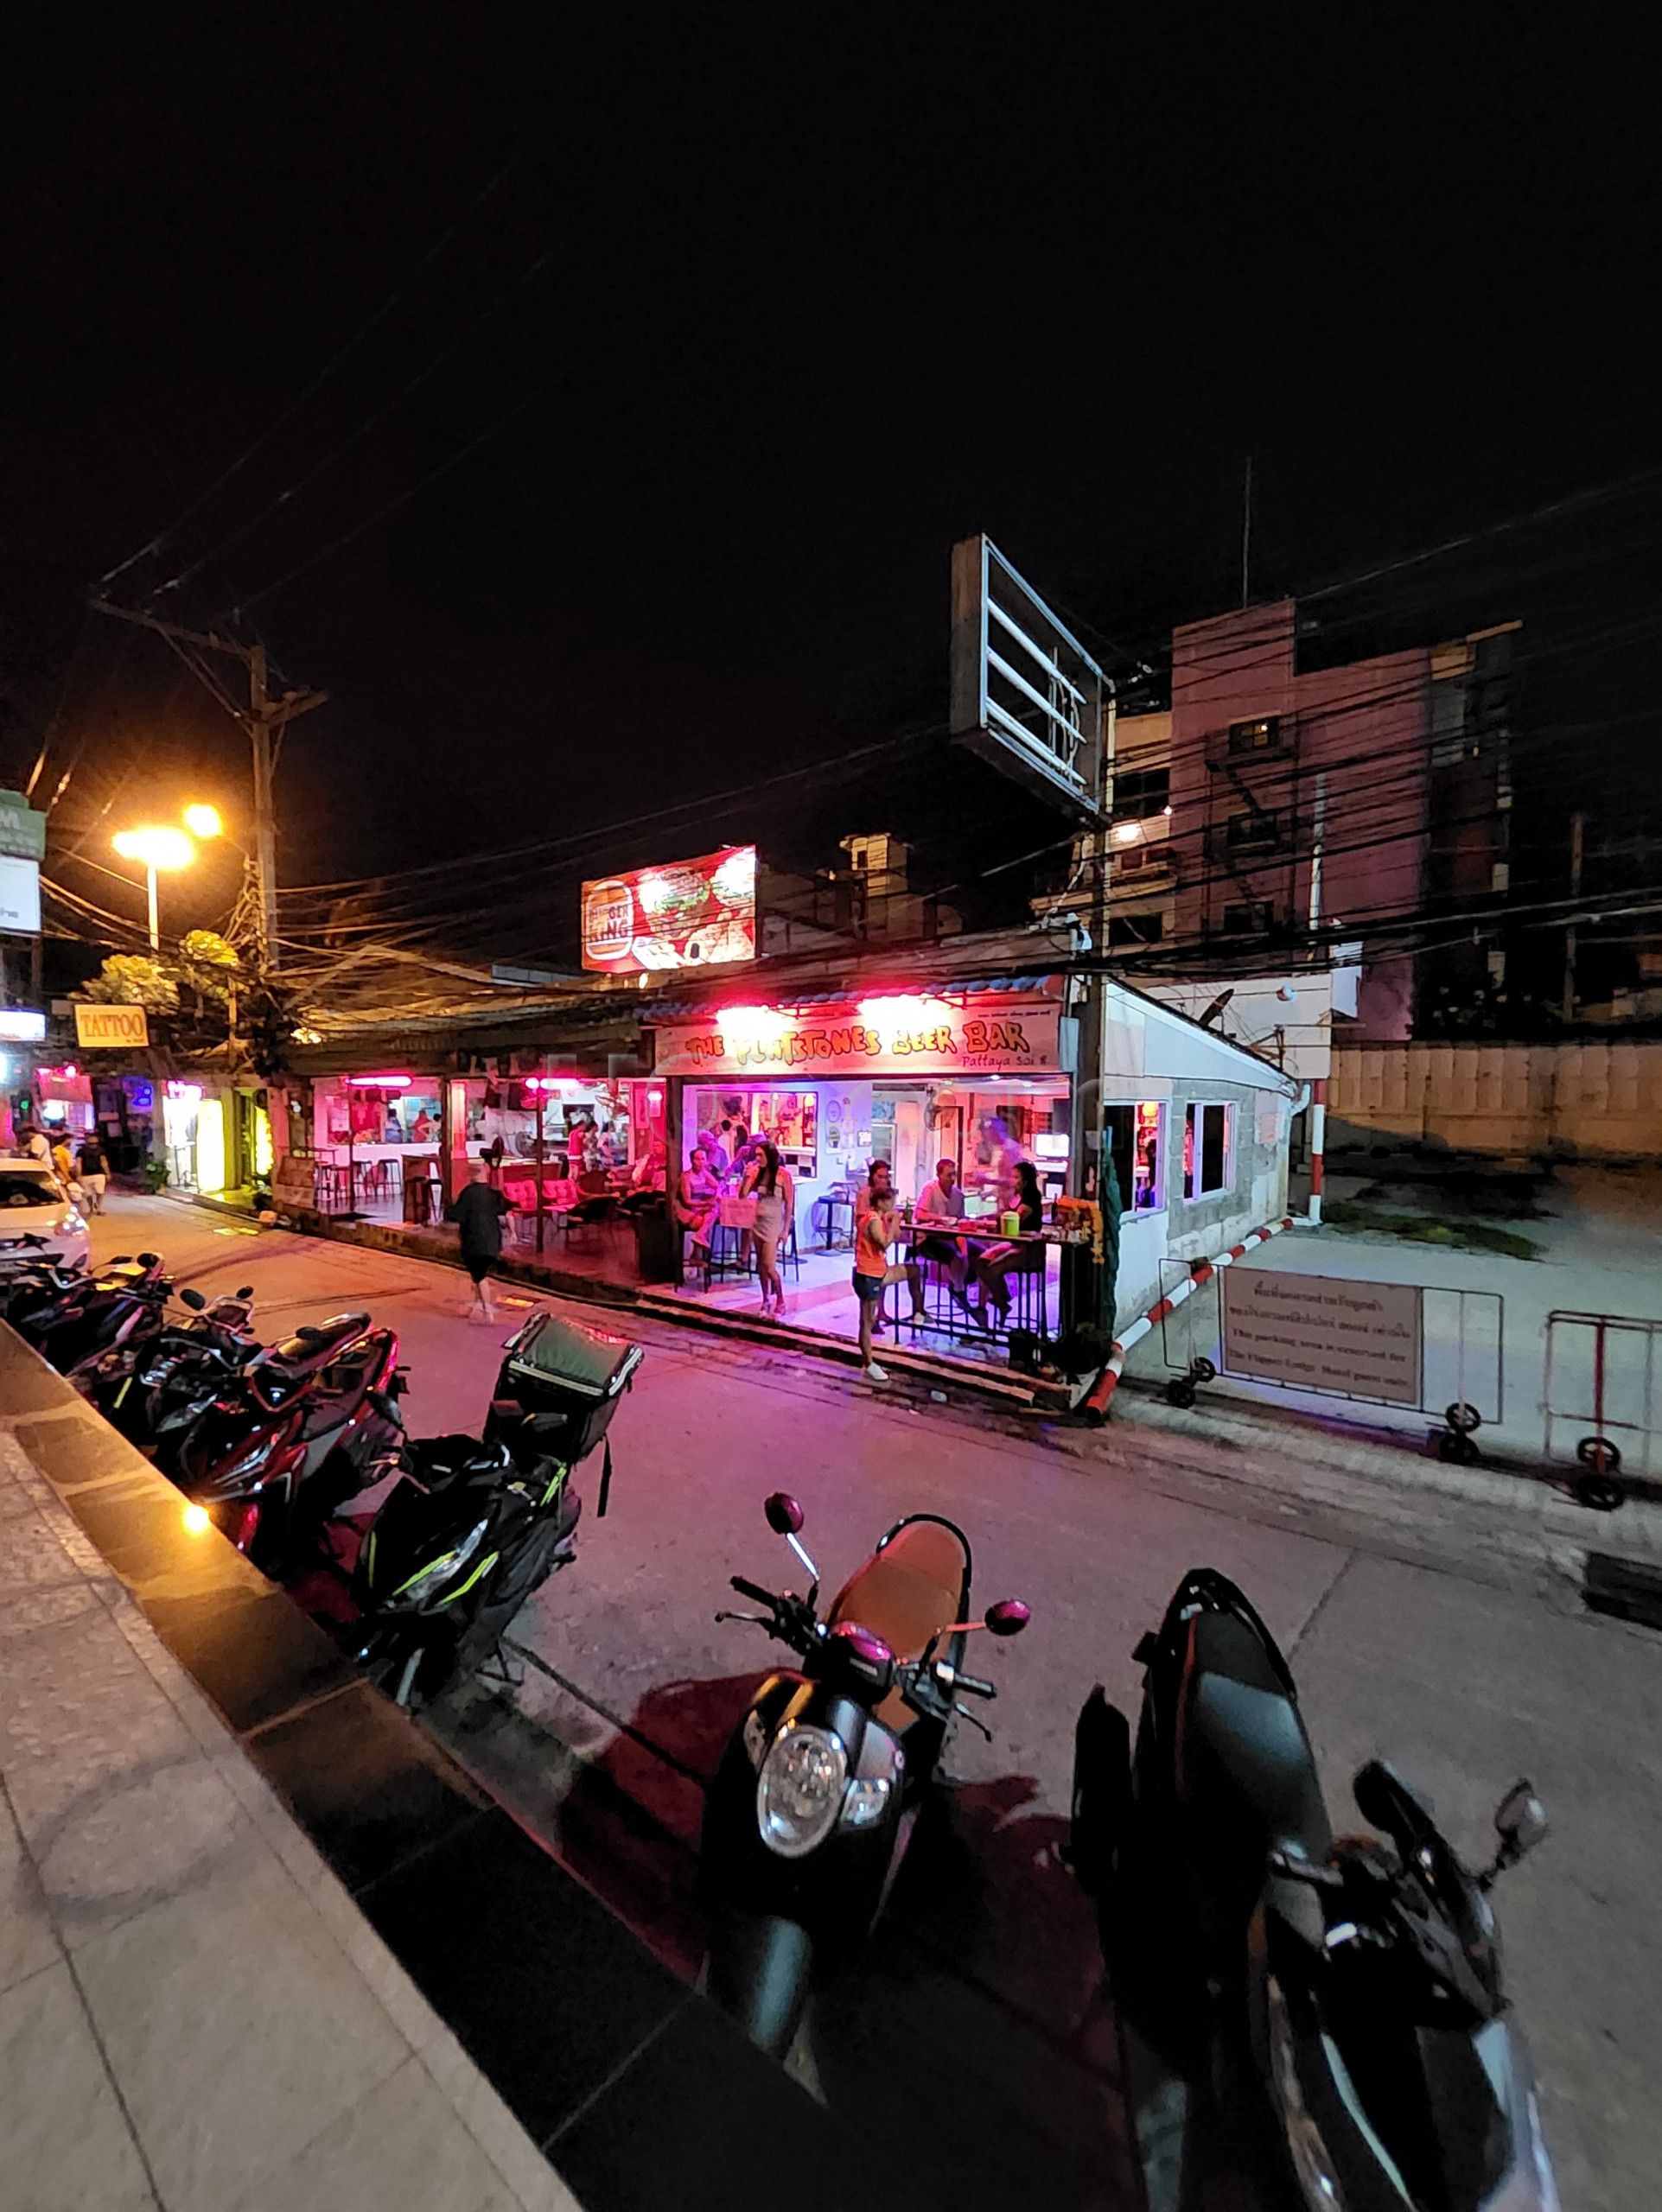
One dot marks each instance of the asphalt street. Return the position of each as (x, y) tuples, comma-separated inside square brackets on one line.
[(1417, 1629)]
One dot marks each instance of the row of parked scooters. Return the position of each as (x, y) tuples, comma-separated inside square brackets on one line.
[(1348, 1987), (270, 1443)]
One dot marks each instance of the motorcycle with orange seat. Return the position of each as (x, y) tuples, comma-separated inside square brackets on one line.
[(811, 1811)]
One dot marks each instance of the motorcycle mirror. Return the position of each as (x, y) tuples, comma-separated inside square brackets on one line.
[(1520, 1821), (247, 1290), (784, 1515), (1379, 1790), (1007, 1617), (150, 1259), (193, 1299)]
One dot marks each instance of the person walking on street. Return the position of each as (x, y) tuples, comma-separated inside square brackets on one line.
[(477, 1210), (94, 1171)]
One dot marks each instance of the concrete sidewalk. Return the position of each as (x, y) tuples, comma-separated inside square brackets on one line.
[(194, 2013)]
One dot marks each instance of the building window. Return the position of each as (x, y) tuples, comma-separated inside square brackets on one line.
[(1256, 829), (1139, 792), (1135, 928), (1133, 1135), (1208, 1133), (1261, 735), (1252, 917)]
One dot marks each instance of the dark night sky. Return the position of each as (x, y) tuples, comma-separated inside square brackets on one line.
[(812, 302)]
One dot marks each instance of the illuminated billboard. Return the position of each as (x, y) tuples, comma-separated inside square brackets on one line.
[(697, 913)]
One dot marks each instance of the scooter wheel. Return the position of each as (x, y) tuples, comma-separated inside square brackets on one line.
[(1463, 1418), (1598, 1453), (1180, 1391), (1203, 1372), (1456, 1446)]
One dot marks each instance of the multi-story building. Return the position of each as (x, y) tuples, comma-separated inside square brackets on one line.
[(1275, 806)]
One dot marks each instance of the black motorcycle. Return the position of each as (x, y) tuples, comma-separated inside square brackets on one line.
[(32, 1277), (90, 1314), (812, 1807), (166, 1374), (475, 1526), (1352, 1982)]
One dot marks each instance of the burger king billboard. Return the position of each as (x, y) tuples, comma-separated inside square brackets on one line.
[(697, 913)]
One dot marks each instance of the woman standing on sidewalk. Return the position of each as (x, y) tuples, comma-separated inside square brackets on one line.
[(768, 1180)]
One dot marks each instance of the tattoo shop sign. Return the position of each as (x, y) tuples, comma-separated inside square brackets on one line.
[(894, 1036), (1323, 1333)]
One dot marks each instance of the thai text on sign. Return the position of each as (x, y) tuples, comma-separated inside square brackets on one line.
[(1322, 1332)]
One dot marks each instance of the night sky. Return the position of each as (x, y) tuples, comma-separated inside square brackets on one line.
[(754, 315)]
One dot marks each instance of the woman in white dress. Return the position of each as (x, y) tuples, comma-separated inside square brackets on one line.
[(769, 1181)]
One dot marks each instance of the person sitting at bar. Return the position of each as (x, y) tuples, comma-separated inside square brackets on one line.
[(421, 1129), (716, 1151), (698, 1199), (647, 1183), (998, 1261), (943, 1201)]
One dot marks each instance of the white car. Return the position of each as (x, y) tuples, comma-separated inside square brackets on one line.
[(33, 1204)]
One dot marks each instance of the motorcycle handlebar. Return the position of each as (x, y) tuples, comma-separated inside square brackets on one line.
[(754, 1592), (975, 1688)]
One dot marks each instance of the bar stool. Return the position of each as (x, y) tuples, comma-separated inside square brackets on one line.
[(1030, 1290)]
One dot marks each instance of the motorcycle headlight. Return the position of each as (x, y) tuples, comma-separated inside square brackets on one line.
[(800, 1790), (420, 1587)]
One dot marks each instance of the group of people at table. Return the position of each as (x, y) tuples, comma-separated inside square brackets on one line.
[(974, 1265)]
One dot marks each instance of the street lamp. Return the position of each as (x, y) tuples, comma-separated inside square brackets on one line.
[(162, 848), (157, 848)]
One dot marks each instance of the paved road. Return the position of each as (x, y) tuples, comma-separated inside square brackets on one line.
[(1429, 1631)]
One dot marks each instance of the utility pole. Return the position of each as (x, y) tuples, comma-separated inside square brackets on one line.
[(1577, 824), (1246, 528), (264, 720)]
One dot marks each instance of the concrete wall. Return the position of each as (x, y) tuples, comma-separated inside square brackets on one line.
[(1584, 1101), (1196, 1229)]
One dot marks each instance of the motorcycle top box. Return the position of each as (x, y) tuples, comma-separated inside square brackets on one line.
[(558, 1367)]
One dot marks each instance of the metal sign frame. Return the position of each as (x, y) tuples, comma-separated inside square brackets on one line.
[(1025, 693)]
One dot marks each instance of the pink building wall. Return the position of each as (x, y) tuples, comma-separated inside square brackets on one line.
[(1360, 760)]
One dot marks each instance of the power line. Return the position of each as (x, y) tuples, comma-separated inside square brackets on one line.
[(287, 414)]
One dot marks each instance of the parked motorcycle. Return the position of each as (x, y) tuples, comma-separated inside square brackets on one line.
[(292, 1436), (1355, 1980), (474, 1527), (168, 1373), (90, 1314), (32, 1274), (812, 1807)]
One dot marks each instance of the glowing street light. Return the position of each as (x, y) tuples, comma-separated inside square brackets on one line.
[(156, 848), (204, 821)]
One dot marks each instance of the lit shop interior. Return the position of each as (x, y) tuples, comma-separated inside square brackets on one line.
[(911, 1080), (379, 1138)]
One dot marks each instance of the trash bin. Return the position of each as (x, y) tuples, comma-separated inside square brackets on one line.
[(655, 1236)]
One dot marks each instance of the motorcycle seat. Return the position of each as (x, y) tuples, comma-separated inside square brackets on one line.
[(310, 1348), (908, 1590), (437, 1461), (1243, 1761)]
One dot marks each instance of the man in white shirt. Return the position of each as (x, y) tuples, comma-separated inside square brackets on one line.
[(942, 1200)]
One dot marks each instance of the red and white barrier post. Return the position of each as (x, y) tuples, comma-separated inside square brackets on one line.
[(1096, 1401), (1318, 1145)]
